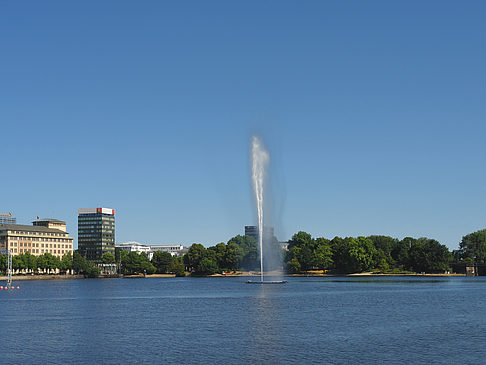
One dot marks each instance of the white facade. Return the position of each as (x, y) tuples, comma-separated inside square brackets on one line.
[(133, 246), (96, 210), (174, 250)]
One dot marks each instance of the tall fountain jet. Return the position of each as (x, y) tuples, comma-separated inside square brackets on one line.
[(259, 164), (260, 159)]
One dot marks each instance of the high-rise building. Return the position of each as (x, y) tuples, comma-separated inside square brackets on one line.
[(252, 231), (6, 218), (96, 232), (44, 236)]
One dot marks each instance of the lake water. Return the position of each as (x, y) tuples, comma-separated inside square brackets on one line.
[(226, 321)]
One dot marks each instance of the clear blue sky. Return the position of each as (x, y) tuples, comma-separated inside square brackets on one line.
[(373, 112)]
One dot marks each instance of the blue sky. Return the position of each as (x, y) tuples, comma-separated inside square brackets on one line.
[(373, 113)]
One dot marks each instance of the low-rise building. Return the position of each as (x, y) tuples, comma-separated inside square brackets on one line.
[(44, 236), (174, 250), (133, 246)]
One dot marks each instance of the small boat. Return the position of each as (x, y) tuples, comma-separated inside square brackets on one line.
[(267, 282)]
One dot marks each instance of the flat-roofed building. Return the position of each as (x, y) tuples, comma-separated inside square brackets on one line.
[(268, 232), (174, 250), (6, 218), (133, 246), (96, 232), (38, 239)]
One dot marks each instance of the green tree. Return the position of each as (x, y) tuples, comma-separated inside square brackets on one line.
[(353, 254), (177, 267), (293, 266), (18, 262), (52, 262), (108, 258), (207, 267), (42, 263), (30, 261), (131, 263), (473, 246), (66, 262), (380, 260), (301, 248), (323, 254), (233, 254), (3, 263), (194, 256), (428, 255), (135, 263), (247, 252), (386, 244), (400, 252), (162, 261), (92, 271), (147, 267), (220, 255), (79, 263), (301, 239)]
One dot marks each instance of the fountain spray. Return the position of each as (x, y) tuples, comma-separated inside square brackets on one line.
[(260, 159)]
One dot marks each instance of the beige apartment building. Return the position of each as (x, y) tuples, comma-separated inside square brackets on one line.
[(44, 236)]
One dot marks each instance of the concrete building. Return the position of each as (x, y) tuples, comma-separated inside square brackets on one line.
[(133, 246), (44, 236), (96, 232), (6, 218), (174, 250)]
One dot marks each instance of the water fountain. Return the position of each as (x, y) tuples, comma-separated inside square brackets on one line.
[(260, 159)]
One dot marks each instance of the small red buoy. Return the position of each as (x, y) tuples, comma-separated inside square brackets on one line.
[(5, 288), (18, 287), (1, 287)]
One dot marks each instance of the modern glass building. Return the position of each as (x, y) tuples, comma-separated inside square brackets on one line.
[(96, 232)]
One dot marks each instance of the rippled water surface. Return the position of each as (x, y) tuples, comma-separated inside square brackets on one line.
[(226, 321)]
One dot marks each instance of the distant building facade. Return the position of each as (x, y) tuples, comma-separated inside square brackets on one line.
[(6, 218), (44, 236), (268, 232), (174, 250), (284, 245), (96, 232), (133, 246)]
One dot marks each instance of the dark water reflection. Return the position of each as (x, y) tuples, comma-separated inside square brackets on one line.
[(206, 321)]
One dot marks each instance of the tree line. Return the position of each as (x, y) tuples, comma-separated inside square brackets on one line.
[(240, 252), (133, 263), (130, 263), (360, 254), (339, 255), (376, 253), (304, 253), (46, 263)]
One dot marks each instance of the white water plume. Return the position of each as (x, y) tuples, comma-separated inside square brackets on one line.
[(260, 159)]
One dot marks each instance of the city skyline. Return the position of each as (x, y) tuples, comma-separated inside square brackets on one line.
[(373, 116)]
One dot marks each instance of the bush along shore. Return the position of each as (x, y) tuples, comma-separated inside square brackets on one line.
[(303, 255)]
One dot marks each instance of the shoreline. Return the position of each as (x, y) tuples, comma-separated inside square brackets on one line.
[(42, 277), (242, 274)]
